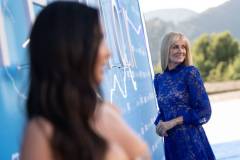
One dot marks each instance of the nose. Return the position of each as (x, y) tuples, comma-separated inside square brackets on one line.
[(181, 49)]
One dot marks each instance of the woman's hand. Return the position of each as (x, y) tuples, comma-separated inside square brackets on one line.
[(163, 127), (160, 132)]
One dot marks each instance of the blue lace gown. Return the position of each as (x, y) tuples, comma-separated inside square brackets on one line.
[(180, 92)]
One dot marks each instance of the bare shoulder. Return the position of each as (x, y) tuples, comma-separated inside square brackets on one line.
[(112, 107), (40, 127), (115, 129), (107, 115), (36, 140)]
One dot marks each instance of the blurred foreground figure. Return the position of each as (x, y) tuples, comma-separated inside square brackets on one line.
[(67, 120)]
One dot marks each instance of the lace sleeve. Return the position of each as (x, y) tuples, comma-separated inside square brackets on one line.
[(200, 111)]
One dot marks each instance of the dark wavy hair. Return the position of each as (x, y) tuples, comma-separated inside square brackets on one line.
[(64, 43)]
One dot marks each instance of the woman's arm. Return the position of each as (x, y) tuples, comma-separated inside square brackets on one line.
[(200, 111), (35, 145)]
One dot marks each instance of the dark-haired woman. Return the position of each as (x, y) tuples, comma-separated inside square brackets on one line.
[(66, 119)]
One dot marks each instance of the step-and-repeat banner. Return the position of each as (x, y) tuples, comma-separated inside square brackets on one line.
[(128, 80)]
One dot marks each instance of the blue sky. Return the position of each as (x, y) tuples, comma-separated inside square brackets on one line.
[(195, 5)]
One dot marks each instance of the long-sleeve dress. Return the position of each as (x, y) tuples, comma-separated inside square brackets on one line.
[(180, 92)]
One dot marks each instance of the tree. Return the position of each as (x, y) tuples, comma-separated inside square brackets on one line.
[(223, 47), (200, 53), (236, 68), (214, 55)]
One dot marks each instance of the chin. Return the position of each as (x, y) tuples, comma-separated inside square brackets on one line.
[(99, 80), (180, 61)]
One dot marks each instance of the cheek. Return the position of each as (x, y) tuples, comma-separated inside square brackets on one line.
[(102, 59), (172, 55), (99, 69)]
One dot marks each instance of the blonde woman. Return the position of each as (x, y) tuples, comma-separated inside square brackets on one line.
[(183, 103)]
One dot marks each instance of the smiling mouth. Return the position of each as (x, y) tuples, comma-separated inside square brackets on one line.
[(179, 55)]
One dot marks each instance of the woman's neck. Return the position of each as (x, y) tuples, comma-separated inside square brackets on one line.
[(172, 65)]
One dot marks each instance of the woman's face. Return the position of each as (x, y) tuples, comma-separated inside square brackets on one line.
[(177, 52), (102, 59)]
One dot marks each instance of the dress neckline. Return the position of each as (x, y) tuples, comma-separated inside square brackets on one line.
[(176, 69)]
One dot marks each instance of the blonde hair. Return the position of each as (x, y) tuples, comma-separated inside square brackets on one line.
[(168, 40)]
